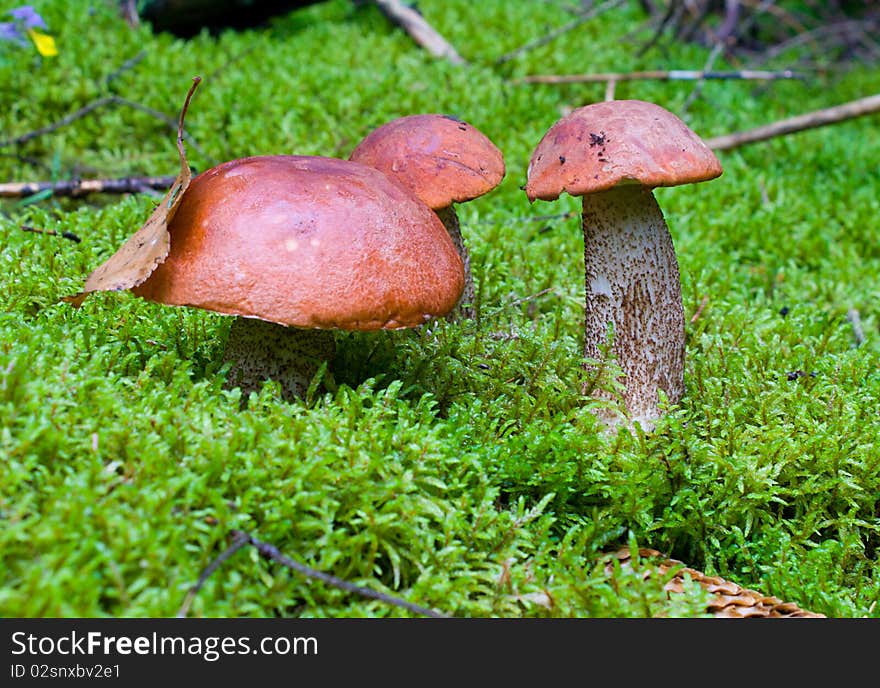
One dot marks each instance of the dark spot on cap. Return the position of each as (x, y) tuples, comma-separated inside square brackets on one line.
[(561, 159)]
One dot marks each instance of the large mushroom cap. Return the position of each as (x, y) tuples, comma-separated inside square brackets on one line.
[(599, 146), (442, 159), (307, 242)]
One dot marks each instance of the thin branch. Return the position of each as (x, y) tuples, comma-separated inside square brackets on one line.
[(130, 63), (240, 539), (725, 36), (669, 16), (83, 187), (565, 28), (700, 309), (826, 31), (411, 21), (238, 542), (51, 232), (669, 75), (698, 87), (87, 109), (271, 552), (64, 121), (810, 120)]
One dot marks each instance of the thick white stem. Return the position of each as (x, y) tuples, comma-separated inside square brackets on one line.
[(260, 351), (466, 307), (633, 287)]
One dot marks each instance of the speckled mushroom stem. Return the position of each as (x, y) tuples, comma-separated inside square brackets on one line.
[(632, 283), (466, 307), (261, 351)]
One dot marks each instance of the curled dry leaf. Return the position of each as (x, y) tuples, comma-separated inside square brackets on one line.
[(136, 259)]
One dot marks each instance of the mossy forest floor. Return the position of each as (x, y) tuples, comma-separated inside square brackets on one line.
[(456, 466)]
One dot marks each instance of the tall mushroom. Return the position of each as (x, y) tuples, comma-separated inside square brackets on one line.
[(444, 161), (613, 154), (297, 246)]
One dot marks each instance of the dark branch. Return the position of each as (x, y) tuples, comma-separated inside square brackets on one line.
[(565, 28), (240, 539)]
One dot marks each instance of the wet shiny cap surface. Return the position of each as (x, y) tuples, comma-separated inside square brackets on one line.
[(442, 159), (309, 242)]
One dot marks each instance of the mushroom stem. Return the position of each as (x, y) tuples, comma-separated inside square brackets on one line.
[(632, 284), (466, 307), (261, 351)]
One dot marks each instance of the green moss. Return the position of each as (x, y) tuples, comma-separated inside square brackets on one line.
[(458, 467)]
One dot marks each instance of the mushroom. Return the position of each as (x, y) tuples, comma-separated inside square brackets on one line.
[(296, 247), (443, 160), (613, 154)]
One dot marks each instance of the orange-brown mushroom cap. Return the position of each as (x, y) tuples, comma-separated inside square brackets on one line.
[(442, 159), (308, 242), (599, 146)]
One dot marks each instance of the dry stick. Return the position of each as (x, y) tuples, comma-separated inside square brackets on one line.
[(669, 16), (671, 75), (810, 120), (51, 232), (707, 67), (239, 542), (700, 309), (565, 28), (411, 21), (271, 552), (825, 31), (82, 187), (130, 63), (72, 117), (87, 109), (722, 38)]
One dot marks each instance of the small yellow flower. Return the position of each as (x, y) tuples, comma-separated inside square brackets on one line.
[(44, 42)]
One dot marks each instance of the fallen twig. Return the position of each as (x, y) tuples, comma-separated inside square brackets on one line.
[(87, 109), (700, 309), (64, 121), (130, 63), (673, 11), (565, 28), (672, 75), (64, 235), (810, 120), (411, 21), (240, 539), (82, 187)]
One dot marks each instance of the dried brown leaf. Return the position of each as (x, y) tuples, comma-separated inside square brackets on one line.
[(145, 250)]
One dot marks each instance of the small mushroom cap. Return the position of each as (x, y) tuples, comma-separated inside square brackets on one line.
[(309, 242), (442, 159), (599, 146)]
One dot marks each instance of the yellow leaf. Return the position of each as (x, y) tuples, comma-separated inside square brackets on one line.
[(45, 43), (136, 259)]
